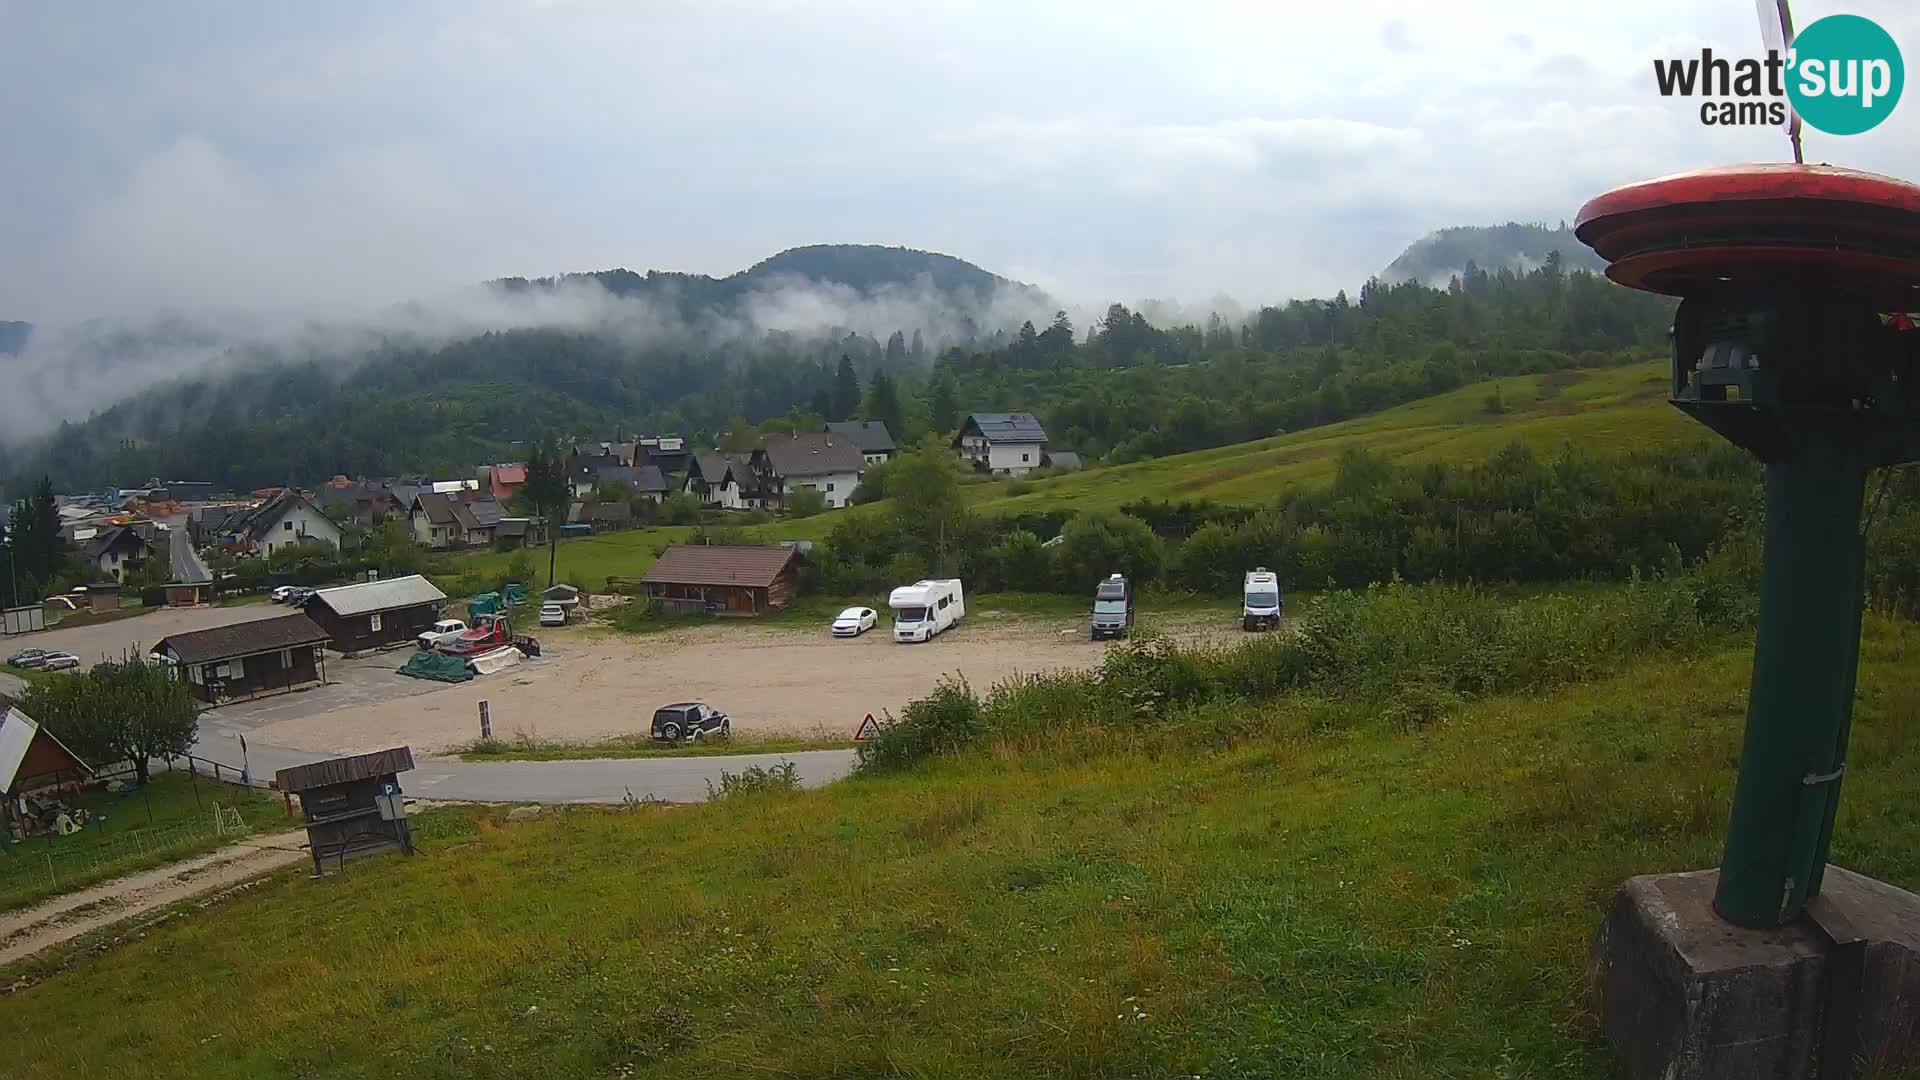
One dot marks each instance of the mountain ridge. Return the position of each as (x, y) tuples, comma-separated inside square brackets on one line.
[(1445, 253)]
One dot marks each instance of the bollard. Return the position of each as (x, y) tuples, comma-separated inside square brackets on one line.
[(486, 724)]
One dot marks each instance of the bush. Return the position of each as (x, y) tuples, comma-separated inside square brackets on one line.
[(944, 722), (755, 780), (681, 508), (1097, 544), (805, 503)]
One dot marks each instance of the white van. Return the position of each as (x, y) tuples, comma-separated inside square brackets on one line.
[(925, 608), (1260, 600)]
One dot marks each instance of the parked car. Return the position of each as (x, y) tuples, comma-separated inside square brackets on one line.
[(280, 593), (1112, 609), (59, 661), (29, 658), (689, 720), (552, 614), (444, 630), (855, 621)]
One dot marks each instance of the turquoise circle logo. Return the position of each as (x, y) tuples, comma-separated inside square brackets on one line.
[(1844, 74)]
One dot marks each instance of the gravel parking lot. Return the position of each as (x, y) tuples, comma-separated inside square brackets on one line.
[(114, 639), (596, 685)]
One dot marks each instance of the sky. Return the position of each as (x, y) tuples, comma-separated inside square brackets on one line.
[(202, 154)]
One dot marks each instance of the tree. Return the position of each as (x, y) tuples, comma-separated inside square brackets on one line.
[(896, 350), (120, 710), (392, 550), (945, 404), (928, 507), (883, 402), (846, 391), (918, 349), (548, 491), (1096, 544), (34, 543)]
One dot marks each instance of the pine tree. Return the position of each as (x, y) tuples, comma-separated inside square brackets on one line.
[(896, 350), (846, 391), (917, 350), (945, 403), (883, 402)]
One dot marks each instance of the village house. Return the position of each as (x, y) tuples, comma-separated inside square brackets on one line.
[(114, 552), (722, 580), (285, 519), (719, 480), (820, 461), (434, 525), (871, 436), (502, 482), (1010, 444), (584, 471)]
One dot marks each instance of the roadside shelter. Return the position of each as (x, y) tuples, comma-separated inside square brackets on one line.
[(353, 805), (248, 659), (31, 757), (723, 580)]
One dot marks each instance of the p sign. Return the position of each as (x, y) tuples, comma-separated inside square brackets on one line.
[(1844, 74)]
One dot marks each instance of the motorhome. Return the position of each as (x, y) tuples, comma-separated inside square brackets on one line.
[(1112, 609), (1260, 600), (925, 608)]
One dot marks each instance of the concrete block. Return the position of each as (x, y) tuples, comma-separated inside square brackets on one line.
[(1686, 995)]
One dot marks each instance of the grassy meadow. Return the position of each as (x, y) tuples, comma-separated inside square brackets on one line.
[(1305, 886)]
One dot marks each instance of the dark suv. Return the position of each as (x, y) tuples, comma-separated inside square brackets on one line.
[(689, 720)]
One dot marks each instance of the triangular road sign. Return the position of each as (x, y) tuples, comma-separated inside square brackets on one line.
[(869, 728)]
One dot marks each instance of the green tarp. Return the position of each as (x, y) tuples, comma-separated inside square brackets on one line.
[(516, 594), (484, 604), (427, 664)]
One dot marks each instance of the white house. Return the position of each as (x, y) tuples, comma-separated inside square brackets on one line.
[(282, 521), (871, 436), (1012, 444), (720, 480), (823, 462), (113, 551)]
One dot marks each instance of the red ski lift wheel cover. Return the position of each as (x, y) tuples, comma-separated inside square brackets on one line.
[(1852, 231)]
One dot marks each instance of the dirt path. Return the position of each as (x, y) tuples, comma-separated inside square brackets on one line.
[(24, 933), (770, 680)]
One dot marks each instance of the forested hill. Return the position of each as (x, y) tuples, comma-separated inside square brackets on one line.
[(1447, 253), (866, 269), (1119, 390)]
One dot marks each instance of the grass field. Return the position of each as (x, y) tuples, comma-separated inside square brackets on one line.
[(1328, 897), (172, 818), (1607, 409)]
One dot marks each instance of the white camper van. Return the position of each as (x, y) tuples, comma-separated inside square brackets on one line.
[(1260, 600), (925, 608)]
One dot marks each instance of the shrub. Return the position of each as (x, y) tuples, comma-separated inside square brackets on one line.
[(805, 502), (755, 780), (1097, 544), (944, 722)]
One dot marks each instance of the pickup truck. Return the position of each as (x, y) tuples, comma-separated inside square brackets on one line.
[(443, 631)]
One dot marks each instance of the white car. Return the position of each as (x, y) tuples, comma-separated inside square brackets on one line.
[(552, 614), (280, 594), (444, 630), (855, 621)]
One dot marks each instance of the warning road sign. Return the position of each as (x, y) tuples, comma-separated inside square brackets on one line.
[(869, 728)]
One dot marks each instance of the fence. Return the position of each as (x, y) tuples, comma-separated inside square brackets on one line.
[(31, 864)]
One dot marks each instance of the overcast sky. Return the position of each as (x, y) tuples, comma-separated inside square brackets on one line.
[(291, 155)]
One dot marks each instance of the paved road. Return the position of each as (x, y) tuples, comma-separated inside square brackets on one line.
[(115, 638), (605, 780)]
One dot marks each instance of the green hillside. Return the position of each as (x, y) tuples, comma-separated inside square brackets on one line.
[(1600, 410)]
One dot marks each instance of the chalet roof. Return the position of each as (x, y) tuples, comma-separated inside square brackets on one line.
[(714, 564), (18, 734), (511, 527), (1015, 428), (649, 479), (485, 513), (1064, 459), (871, 436), (370, 596), (113, 538), (712, 465), (439, 508), (587, 467), (812, 454), (243, 639)]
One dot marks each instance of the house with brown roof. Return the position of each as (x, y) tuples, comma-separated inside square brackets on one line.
[(723, 580), (246, 660), (822, 461)]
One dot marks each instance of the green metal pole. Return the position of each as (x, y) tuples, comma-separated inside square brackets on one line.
[(1801, 700)]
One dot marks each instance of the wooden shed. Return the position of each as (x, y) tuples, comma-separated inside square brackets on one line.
[(723, 580), (248, 659), (353, 805), (375, 614)]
